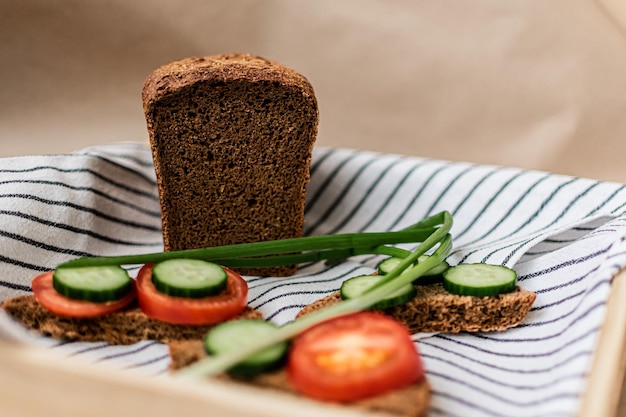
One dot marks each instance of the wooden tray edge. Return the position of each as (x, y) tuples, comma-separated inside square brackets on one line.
[(604, 386)]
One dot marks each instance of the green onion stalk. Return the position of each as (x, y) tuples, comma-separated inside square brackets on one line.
[(282, 252), (438, 239), (432, 232)]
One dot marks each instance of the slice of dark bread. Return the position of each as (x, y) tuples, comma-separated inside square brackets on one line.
[(436, 310), (122, 328), (411, 401), (231, 138)]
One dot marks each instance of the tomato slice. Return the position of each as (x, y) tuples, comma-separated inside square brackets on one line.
[(192, 311), (353, 357), (63, 306)]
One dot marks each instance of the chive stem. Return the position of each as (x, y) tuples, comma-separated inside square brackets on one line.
[(395, 278), (243, 250), (414, 233), (299, 258)]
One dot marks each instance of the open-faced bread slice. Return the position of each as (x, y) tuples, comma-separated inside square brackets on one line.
[(124, 327), (410, 401), (432, 310), (436, 310)]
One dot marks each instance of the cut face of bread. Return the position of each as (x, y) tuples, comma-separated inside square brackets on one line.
[(231, 138)]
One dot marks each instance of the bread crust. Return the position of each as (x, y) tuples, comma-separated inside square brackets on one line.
[(410, 401), (217, 69), (436, 310), (125, 327), (232, 137)]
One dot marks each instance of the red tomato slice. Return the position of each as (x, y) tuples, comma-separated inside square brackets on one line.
[(193, 311), (352, 357), (66, 307)]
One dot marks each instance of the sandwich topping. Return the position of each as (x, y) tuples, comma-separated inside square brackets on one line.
[(192, 311), (353, 357), (343, 352), (61, 305), (96, 291)]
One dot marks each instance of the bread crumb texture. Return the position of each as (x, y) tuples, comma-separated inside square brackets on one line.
[(436, 310), (231, 138), (121, 328)]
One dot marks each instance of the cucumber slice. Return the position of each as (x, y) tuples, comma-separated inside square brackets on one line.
[(356, 286), (479, 279), (189, 278), (438, 270), (433, 275), (387, 265), (230, 335), (98, 284)]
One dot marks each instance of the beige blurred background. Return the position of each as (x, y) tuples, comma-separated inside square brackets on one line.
[(529, 83)]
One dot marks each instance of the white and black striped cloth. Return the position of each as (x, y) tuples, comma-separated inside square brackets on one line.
[(563, 235)]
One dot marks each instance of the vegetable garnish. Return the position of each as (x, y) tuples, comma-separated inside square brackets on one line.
[(190, 278), (396, 278), (284, 251), (479, 279), (388, 264), (191, 311), (352, 357), (232, 334), (354, 287), (61, 305), (98, 284), (432, 232)]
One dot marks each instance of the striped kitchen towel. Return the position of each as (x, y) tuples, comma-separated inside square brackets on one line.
[(564, 236)]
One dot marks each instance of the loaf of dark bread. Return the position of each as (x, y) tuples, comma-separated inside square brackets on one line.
[(410, 401), (231, 138), (124, 327), (436, 310)]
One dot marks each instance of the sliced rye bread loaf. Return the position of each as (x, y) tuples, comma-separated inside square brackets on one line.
[(436, 310), (125, 327), (231, 138), (411, 401)]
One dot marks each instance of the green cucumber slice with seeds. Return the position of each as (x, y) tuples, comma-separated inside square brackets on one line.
[(97, 284), (189, 278), (432, 276), (231, 335), (438, 270), (479, 279), (387, 265), (354, 287)]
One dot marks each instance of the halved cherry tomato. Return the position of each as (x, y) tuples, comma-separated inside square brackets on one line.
[(66, 307), (192, 311), (352, 357)]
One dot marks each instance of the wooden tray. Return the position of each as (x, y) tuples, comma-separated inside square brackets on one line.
[(604, 393)]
